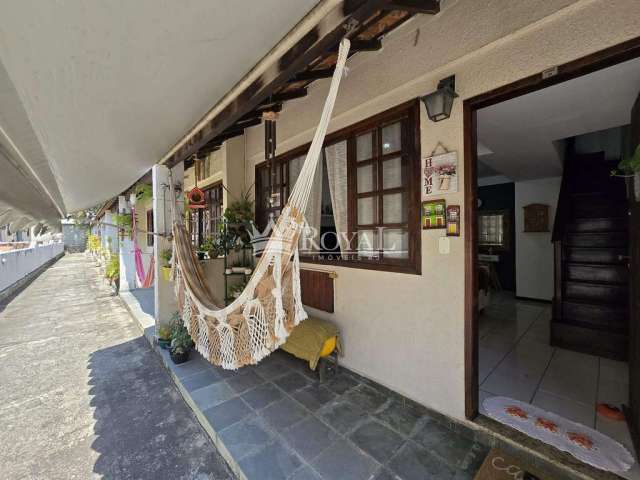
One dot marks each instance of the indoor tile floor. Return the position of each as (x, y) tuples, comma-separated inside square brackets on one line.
[(517, 361)]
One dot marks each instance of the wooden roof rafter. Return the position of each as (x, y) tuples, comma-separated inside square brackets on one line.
[(312, 58)]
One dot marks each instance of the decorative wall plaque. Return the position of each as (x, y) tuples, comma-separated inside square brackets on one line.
[(536, 217), (453, 221)]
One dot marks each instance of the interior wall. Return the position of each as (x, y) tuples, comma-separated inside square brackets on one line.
[(534, 250), (407, 331)]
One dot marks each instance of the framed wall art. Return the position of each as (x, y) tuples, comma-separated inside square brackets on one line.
[(453, 220), (434, 214), (439, 174)]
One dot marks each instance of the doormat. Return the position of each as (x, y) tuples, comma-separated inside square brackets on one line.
[(584, 443), (499, 466)]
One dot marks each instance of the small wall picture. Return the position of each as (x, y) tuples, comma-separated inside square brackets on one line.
[(453, 221), (433, 214), (536, 217), (439, 174)]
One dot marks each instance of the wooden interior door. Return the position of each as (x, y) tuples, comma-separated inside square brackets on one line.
[(634, 313)]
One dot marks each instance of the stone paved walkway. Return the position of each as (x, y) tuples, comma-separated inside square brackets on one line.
[(81, 393)]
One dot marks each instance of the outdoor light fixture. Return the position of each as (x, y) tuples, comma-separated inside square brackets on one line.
[(439, 103)]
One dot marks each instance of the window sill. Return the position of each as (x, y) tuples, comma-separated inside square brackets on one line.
[(406, 268)]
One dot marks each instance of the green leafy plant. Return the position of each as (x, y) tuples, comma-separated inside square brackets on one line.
[(212, 247), (112, 271), (239, 216), (165, 256), (181, 341), (164, 332), (144, 191), (123, 220), (629, 166)]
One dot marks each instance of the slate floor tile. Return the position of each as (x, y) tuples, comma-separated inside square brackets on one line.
[(212, 395), (384, 474), (342, 416), (194, 365), (262, 395), (305, 473), (452, 447), (291, 382), (244, 381), (273, 462), (227, 413), (402, 418), (413, 462), (365, 397), (377, 440), (341, 383), (246, 437), (271, 370), (283, 413), (309, 437), (314, 396), (342, 461), (200, 379)]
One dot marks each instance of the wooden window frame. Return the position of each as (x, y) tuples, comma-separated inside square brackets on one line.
[(199, 213), (150, 227), (409, 114)]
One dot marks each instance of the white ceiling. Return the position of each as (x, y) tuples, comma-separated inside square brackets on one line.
[(95, 92), (516, 138)]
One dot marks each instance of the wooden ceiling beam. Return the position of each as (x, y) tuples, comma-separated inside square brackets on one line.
[(427, 7), (310, 75), (343, 20), (257, 113), (287, 95)]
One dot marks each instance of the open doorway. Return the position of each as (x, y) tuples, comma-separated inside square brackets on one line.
[(549, 316)]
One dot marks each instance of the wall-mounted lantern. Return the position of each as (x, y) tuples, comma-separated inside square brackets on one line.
[(439, 103)]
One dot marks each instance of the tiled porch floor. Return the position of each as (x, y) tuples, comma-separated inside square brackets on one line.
[(517, 361), (279, 422)]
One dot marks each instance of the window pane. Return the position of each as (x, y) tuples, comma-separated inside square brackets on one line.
[(368, 243), (364, 146), (392, 173), (394, 208), (365, 179), (295, 165), (395, 243), (367, 210), (391, 138)]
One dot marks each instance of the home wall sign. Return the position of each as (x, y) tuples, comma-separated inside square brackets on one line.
[(536, 217), (453, 220), (439, 174), (434, 214)]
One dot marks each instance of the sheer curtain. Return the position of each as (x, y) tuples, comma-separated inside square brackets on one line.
[(336, 157), (312, 214)]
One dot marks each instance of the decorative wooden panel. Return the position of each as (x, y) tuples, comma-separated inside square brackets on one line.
[(317, 289), (536, 218)]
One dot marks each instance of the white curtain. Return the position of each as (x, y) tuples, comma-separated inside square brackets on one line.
[(336, 156)]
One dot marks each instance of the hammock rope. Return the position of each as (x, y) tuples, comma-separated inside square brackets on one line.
[(145, 280), (270, 306)]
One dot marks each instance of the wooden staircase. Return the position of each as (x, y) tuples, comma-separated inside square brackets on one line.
[(591, 240)]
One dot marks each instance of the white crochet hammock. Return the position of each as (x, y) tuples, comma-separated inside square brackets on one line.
[(270, 306)]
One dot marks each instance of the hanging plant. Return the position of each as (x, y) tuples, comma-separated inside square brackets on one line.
[(144, 192), (239, 216), (629, 167)]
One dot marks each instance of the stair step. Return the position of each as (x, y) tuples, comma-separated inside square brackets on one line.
[(596, 292), (598, 205), (595, 240), (594, 255), (597, 273), (594, 225), (588, 340), (596, 315)]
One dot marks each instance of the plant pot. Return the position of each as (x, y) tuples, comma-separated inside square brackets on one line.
[(179, 358), (164, 344), (201, 255), (445, 181), (228, 271), (237, 269), (166, 273), (247, 271)]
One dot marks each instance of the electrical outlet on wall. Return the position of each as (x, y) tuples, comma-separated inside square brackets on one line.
[(444, 245)]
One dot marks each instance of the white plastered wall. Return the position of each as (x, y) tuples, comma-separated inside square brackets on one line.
[(407, 331), (534, 250)]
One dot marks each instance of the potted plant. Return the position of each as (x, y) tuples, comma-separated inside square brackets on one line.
[(239, 217), (112, 272), (212, 247), (181, 343), (629, 167), (164, 336), (236, 290), (144, 192), (165, 256), (124, 222)]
